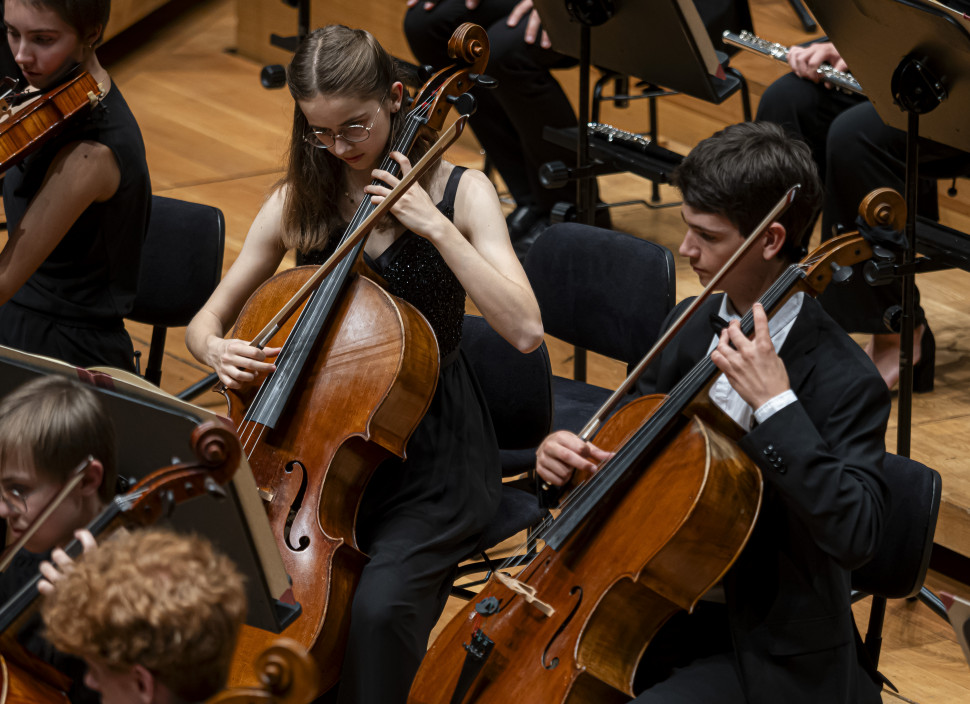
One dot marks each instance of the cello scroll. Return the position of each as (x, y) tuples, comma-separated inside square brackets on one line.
[(287, 675)]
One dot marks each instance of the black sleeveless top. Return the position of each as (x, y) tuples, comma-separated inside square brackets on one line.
[(90, 278), (415, 272)]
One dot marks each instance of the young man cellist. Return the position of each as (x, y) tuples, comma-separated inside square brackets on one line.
[(814, 411)]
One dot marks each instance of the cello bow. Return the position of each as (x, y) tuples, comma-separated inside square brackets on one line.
[(424, 165)]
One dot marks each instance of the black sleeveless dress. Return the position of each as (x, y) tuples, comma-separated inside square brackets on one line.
[(72, 307), (420, 517)]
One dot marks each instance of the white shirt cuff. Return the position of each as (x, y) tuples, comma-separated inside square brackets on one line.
[(773, 405)]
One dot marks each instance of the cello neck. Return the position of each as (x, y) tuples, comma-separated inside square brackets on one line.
[(275, 391), (647, 438)]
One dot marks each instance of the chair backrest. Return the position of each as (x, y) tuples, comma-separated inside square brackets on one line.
[(517, 387), (181, 262), (899, 567), (604, 291)]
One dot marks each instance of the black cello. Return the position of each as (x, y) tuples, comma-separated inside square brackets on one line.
[(356, 374)]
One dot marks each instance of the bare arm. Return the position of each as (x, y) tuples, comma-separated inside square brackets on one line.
[(476, 248), (82, 173), (236, 361)]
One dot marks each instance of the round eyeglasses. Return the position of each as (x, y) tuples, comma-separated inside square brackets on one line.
[(15, 500), (325, 139)]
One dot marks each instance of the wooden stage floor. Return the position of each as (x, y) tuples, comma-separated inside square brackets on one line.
[(213, 135)]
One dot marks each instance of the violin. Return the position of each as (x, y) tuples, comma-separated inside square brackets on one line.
[(27, 130), (646, 536), (28, 679), (356, 374)]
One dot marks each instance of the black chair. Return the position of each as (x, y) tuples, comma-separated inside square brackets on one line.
[(599, 290), (804, 16), (899, 567), (518, 391), (181, 264)]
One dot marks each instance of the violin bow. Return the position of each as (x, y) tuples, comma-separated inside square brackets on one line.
[(613, 401), (76, 476)]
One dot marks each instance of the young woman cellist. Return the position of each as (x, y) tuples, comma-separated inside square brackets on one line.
[(419, 517)]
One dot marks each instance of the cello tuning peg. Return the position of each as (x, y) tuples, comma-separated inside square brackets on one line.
[(482, 80), (841, 274), (464, 103), (214, 489)]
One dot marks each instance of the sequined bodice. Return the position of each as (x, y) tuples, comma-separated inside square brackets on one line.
[(415, 271)]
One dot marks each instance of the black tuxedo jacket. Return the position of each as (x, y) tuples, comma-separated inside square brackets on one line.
[(821, 460)]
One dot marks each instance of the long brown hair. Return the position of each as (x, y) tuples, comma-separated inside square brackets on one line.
[(341, 61)]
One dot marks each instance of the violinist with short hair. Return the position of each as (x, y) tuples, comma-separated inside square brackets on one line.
[(48, 427), (77, 209), (813, 410)]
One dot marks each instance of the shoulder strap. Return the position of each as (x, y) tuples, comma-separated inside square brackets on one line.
[(451, 188)]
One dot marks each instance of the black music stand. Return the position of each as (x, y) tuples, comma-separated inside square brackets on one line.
[(274, 75), (663, 42), (154, 431), (915, 63)]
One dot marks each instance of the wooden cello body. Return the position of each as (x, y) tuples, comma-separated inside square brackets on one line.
[(368, 385), (18, 687), (610, 583), (645, 536), (357, 372)]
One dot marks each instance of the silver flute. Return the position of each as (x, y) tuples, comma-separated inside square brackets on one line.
[(779, 52)]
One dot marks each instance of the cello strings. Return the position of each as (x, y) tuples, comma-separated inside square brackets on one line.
[(700, 372), (250, 431)]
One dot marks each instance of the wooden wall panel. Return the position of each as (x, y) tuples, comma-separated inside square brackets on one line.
[(125, 13)]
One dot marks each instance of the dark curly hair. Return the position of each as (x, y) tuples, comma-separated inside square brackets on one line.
[(743, 170)]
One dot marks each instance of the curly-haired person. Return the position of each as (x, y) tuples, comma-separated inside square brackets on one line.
[(153, 613)]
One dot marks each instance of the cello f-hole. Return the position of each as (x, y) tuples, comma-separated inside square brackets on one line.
[(552, 664), (296, 506)]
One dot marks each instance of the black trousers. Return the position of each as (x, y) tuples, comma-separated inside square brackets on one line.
[(691, 661), (509, 119), (856, 153)]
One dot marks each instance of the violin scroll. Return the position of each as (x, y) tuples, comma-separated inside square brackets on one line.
[(833, 258)]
